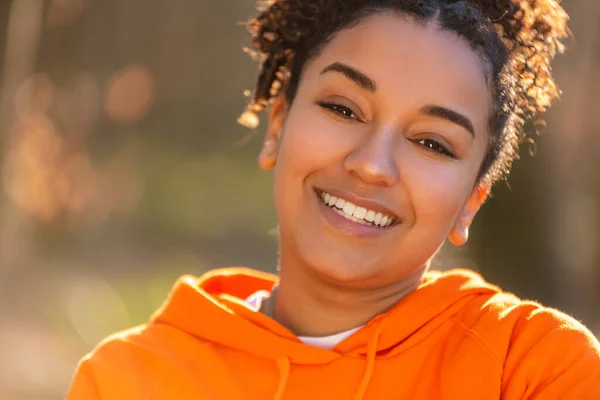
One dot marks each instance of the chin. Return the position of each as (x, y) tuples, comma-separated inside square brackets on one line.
[(343, 268)]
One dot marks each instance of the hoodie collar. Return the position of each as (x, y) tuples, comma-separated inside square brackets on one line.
[(212, 308)]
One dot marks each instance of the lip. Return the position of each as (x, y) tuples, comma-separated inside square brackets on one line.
[(360, 202), (350, 228)]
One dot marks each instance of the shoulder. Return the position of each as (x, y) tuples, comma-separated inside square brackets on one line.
[(131, 363), (544, 352)]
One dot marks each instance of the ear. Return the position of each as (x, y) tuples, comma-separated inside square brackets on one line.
[(459, 235), (270, 150)]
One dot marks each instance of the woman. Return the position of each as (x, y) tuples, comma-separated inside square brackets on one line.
[(390, 120)]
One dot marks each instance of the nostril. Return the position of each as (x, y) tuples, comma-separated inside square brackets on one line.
[(374, 169)]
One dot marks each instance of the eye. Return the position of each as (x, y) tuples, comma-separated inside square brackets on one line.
[(434, 146), (339, 109)]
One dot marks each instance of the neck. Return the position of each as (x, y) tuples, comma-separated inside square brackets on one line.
[(310, 306)]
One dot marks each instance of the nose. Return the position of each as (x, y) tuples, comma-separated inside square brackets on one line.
[(373, 161)]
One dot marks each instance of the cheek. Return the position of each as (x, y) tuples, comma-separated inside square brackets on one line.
[(437, 190), (311, 141), (304, 148)]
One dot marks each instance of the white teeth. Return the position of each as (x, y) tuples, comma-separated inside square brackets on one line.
[(370, 216), (349, 208), (384, 221), (356, 214), (360, 212), (378, 218)]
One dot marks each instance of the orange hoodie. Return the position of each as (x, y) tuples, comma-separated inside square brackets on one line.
[(455, 337)]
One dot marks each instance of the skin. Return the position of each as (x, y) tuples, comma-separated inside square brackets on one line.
[(376, 144)]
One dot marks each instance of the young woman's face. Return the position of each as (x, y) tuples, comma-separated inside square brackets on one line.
[(389, 128)]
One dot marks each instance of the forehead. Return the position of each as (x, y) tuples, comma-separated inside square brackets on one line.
[(411, 62)]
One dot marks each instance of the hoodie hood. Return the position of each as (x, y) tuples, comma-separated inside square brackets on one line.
[(212, 308), (454, 337)]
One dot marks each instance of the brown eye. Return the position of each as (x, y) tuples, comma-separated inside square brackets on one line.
[(339, 109), (432, 145)]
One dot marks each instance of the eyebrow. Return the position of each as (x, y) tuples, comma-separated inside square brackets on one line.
[(449, 115), (432, 110), (360, 78)]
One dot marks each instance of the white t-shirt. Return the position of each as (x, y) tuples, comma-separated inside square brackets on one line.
[(255, 300)]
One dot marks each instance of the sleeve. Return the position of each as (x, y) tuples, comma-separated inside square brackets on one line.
[(83, 386), (555, 357)]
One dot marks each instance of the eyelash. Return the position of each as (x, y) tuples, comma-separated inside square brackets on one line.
[(340, 110), (434, 146), (347, 113)]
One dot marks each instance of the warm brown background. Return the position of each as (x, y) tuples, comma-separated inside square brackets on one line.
[(123, 167)]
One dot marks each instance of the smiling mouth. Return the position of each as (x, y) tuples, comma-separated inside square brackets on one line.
[(355, 213)]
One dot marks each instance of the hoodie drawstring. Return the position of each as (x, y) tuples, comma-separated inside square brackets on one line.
[(283, 364), (371, 353)]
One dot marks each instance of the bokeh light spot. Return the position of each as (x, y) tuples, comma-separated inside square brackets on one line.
[(130, 94)]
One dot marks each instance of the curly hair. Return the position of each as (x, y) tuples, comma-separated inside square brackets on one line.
[(516, 40)]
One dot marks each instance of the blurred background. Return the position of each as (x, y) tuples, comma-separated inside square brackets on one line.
[(122, 167)]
